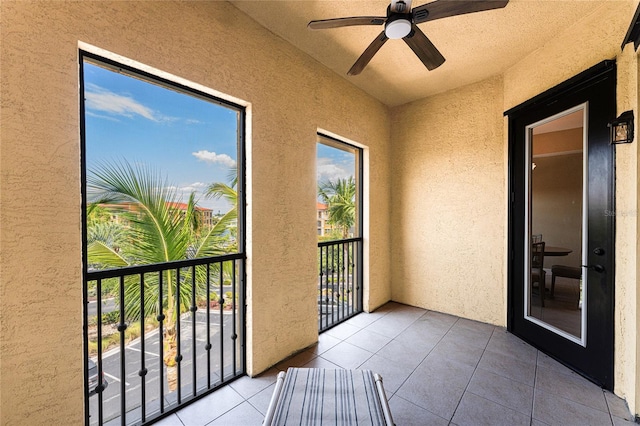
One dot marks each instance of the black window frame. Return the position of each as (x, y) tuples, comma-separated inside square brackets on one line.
[(99, 60)]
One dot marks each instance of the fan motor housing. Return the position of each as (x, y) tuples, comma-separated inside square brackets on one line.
[(398, 25)]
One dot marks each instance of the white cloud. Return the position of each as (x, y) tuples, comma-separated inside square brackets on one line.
[(182, 193), (106, 117), (213, 158), (329, 170), (194, 187), (100, 99)]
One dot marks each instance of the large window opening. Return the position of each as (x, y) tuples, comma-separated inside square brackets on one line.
[(339, 228), (163, 178)]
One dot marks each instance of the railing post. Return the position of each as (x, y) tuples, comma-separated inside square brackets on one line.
[(207, 347), (178, 358), (161, 318), (143, 370), (123, 372), (221, 268), (193, 310), (99, 363)]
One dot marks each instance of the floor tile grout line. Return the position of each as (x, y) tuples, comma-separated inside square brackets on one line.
[(535, 381), (257, 409), (574, 402), (608, 407), (217, 417), (392, 338), (474, 372), (456, 324), (425, 357), (563, 396), (177, 417), (422, 408)]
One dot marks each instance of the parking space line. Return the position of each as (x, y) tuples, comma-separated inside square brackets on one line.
[(146, 352), (115, 378)]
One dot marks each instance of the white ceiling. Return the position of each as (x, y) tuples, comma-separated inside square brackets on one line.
[(476, 46)]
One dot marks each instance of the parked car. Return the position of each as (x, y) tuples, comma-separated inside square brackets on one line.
[(93, 378)]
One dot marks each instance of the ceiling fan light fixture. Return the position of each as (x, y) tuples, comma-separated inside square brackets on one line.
[(397, 28)]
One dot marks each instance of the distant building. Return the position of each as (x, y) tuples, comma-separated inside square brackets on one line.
[(324, 227), (205, 215)]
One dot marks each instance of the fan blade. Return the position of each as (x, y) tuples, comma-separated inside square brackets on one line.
[(366, 56), (346, 22), (423, 48), (445, 8)]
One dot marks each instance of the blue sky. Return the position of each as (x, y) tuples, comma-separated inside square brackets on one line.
[(333, 163), (193, 142)]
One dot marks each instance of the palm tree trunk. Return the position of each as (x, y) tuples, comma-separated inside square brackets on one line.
[(170, 353)]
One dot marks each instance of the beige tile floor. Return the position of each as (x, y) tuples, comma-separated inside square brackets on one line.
[(437, 369)]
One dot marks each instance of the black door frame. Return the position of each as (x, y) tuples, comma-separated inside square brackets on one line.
[(597, 86)]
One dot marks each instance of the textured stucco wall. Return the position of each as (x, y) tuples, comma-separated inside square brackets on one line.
[(213, 44), (448, 203), (627, 237), (449, 184), (591, 40)]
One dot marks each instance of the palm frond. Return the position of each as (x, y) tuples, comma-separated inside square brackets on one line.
[(100, 253), (340, 196), (157, 228), (210, 243), (222, 190)]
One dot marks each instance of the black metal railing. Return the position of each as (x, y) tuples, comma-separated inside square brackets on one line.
[(160, 336), (339, 281)]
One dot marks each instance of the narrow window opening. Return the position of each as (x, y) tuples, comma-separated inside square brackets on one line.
[(339, 229)]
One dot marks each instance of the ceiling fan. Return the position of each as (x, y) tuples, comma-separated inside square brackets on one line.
[(401, 22)]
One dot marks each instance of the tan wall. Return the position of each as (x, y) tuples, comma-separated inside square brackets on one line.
[(448, 185), (449, 204), (593, 39), (627, 349), (449, 178), (213, 44)]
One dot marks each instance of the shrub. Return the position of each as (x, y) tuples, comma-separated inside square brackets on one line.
[(111, 317)]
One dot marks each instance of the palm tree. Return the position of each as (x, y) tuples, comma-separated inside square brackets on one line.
[(157, 232), (340, 196), (228, 191)]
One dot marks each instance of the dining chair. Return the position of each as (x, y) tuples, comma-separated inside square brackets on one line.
[(573, 272), (536, 238), (537, 268)]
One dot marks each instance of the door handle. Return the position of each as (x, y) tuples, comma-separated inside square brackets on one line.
[(597, 268)]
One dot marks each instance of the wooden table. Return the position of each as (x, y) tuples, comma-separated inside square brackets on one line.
[(556, 251)]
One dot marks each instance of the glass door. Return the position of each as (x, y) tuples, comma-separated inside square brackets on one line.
[(561, 183), (556, 225)]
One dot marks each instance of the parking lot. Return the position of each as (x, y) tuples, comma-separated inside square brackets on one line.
[(191, 346)]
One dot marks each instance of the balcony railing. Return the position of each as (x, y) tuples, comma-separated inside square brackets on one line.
[(339, 281), (160, 336)]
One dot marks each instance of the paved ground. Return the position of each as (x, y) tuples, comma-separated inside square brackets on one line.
[(133, 383)]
